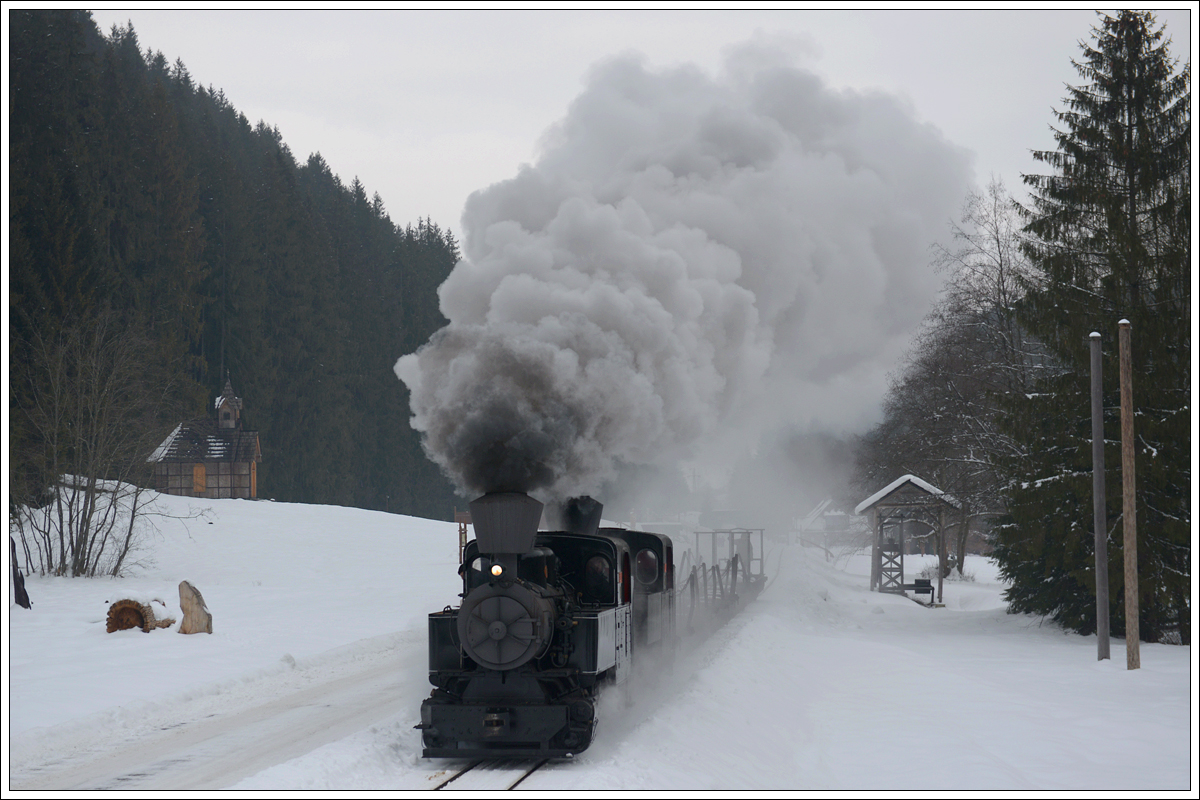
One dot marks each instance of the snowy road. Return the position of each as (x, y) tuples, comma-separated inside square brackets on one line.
[(207, 748), (216, 739)]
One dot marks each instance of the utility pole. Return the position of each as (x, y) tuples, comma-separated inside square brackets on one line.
[(1133, 656), (1099, 516)]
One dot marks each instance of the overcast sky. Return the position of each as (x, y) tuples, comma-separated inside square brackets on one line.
[(426, 107)]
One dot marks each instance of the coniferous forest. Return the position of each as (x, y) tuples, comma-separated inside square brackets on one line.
[(146, 209)]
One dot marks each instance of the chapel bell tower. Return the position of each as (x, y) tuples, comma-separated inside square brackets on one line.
[(229, 408)]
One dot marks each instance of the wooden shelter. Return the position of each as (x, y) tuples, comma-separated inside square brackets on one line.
[(210, 457), (906, 498)]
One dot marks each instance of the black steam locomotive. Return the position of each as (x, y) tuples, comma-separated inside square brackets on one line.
[(547, 619)]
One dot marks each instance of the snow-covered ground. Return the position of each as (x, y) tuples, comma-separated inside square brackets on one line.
[(315, 671)]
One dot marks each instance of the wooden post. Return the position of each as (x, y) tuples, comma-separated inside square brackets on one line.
[(941, 553), (1099, 515), (1133, 658), (876, 535)]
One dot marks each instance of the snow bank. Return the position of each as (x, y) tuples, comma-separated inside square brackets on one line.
[(820, 684)]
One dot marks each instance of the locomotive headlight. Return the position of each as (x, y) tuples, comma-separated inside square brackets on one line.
[(497, 570)]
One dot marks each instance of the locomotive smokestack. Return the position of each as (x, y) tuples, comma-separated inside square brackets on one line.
[(505, 522), (580, 515)]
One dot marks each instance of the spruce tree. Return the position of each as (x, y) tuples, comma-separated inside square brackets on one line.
[(1108, 238)]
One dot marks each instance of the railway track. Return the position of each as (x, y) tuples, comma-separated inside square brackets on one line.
[(491, 775)]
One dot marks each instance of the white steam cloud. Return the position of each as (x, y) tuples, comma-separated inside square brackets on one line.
[(689, 258)]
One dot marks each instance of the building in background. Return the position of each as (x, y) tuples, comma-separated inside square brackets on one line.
[(210, 457)]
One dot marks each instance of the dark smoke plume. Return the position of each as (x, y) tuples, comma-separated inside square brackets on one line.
[(690, 263)]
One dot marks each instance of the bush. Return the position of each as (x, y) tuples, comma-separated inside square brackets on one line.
[(930, 573)]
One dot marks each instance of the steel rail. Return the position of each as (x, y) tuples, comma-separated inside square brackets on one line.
[(458, 774), (528, 772)]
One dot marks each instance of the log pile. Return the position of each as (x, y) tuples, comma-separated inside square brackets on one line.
[(126, 614)]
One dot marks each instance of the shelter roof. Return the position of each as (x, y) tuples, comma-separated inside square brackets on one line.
[(895, 488)]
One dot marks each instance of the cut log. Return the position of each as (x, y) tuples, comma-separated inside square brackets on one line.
[(196, 618), (126, 614)]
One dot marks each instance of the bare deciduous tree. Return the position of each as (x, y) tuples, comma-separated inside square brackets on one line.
[(90, 406), (942, 410)]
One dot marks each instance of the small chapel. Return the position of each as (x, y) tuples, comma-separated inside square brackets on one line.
[(212, 458)]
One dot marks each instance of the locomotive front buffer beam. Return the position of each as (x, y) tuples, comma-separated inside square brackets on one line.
[(487, 730)]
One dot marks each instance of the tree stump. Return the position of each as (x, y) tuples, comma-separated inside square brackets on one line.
[(196, 618), (126, 614), (19, 593)]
